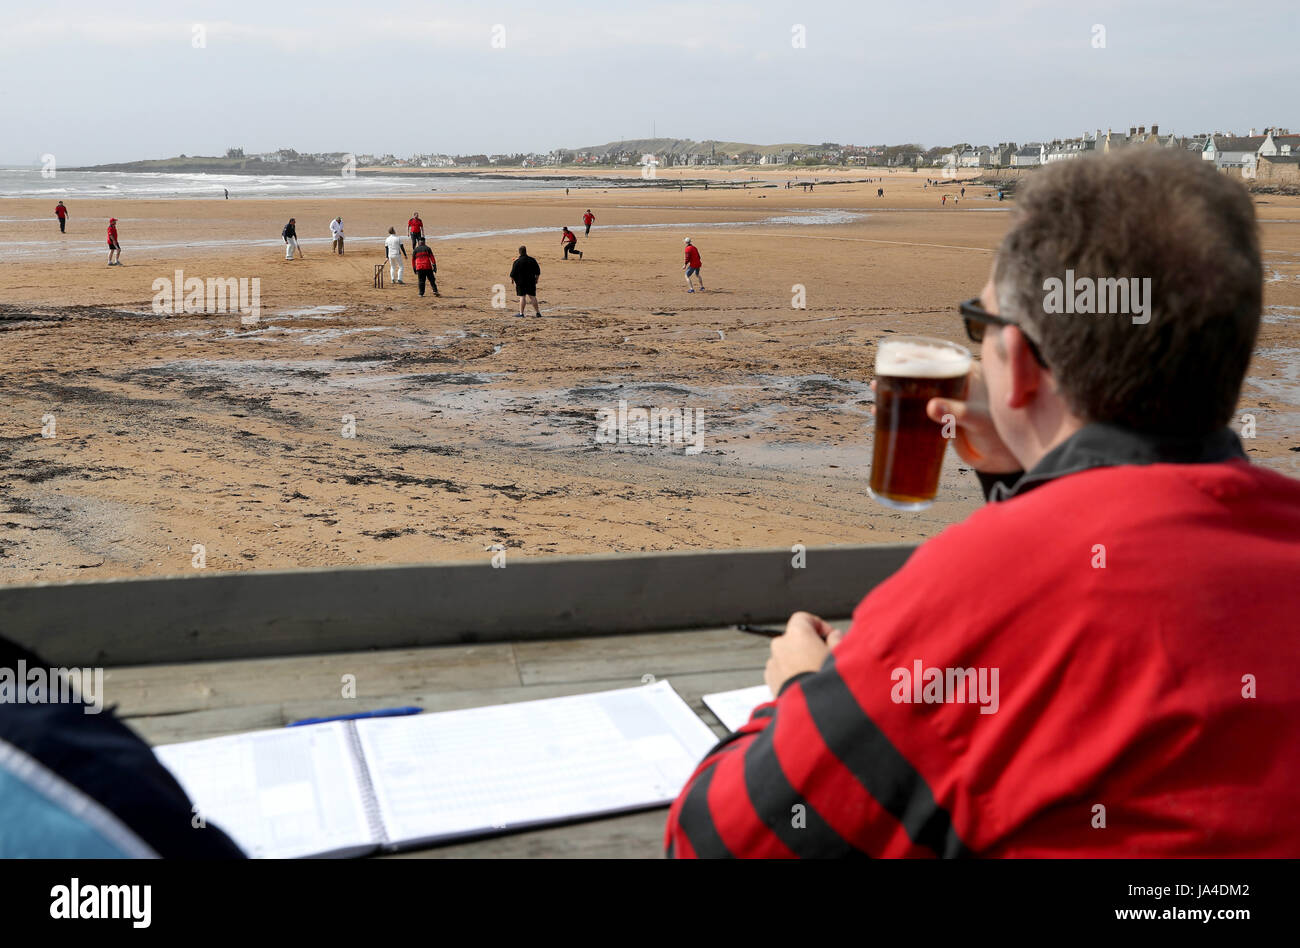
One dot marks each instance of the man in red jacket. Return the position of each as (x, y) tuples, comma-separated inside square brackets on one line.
[(692, 266), (425, 265), (114, 251), (1103, 660), (61, 213), (587, 220)]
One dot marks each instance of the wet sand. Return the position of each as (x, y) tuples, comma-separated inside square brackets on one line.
[(474, 428)]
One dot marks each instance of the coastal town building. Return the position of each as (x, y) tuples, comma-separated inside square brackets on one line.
[(1000, 157), (1068, 149), (1279, 141), (974, 157), (1228, 151), (1278, 170), (1030, 156)]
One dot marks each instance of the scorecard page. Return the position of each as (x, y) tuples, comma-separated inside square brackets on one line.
[(278, 794), (455, 773), (733, 708)]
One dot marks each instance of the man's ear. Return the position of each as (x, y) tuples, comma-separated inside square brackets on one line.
[(1023, 371)]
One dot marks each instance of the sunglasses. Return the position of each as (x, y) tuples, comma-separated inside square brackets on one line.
[(976, 318)]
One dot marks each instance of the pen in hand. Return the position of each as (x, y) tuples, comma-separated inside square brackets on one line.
[(759, 630)]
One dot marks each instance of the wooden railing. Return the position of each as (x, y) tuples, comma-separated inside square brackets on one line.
[(208, 617)]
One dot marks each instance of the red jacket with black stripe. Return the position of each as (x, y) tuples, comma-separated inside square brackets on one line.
[(1139, 603)]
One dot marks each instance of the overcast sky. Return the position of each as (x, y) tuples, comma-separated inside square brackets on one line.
[(101, 82)]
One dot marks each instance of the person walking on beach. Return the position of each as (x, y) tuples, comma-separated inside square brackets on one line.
[(336, 232), (692, 266), (227, 190), (290, 235), (113, 246), (415, 227), (61, 213), (963, 192), (588, 219), (880, 192), (426, 265), (944, 200), (569, 240), (524, 274), (395, 251)]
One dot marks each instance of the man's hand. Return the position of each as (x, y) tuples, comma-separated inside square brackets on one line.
[(977, 441), (803, 648)]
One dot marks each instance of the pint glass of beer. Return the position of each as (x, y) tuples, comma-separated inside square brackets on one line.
[(908, 454)]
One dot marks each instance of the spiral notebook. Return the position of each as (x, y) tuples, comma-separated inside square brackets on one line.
[(350, 788)]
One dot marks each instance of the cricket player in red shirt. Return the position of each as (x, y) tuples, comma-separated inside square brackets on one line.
[(415, 227), (113, 248), (569, 241), (692, 266), (588, 219)]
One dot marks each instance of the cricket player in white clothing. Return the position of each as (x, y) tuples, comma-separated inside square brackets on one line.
[(396, 253)]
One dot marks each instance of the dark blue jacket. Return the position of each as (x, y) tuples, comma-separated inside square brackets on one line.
[(78, 785)]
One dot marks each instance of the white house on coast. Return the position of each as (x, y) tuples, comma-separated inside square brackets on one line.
[(1227, 151)]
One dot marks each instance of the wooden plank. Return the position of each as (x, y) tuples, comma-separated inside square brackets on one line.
[(219, 616), (664, 655), (658, 654), (171, 689), (197, 725)]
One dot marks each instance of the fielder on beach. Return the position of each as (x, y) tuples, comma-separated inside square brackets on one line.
[(396, 252), (415, 229), (569, 241), (692, 266), (524, 273), (113, 247), (426, 266), (290, 235)]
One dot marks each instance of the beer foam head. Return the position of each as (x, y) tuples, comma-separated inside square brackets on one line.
[(920, 360)]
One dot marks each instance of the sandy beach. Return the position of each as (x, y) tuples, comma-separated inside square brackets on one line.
[(473, 428)]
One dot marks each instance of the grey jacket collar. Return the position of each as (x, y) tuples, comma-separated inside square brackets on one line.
[(1103, 445)]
